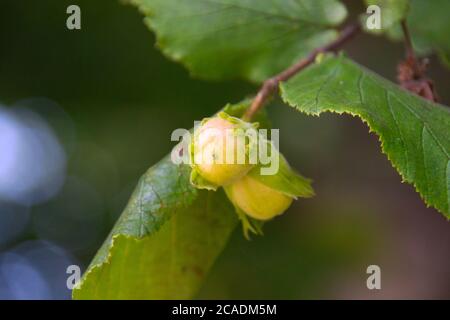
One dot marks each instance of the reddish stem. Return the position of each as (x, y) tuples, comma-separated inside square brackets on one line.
[(270, 85)]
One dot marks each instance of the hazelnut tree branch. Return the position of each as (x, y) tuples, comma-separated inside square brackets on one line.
[(270, 85)]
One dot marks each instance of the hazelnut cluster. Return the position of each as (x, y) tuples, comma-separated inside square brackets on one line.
[(221, 138)]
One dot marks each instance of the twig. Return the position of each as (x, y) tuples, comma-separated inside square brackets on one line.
[(411, 73), (408, 42), (410, 55), (270, 85)]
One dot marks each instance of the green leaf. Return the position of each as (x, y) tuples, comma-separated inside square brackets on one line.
[(427, 21), (252, 39), (429, 24), (165, 241), (286, 180), (414, 133), (167, 237)]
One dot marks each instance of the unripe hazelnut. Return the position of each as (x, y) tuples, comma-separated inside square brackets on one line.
[(213, 140), (256, 199)]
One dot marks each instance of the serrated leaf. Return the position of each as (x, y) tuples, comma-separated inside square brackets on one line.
[(252, 39), (167, 237), (165, 241), (414, 133)]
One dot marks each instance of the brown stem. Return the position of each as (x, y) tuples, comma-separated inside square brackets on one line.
[(410, 55), (408, 42), (411, 73), (270, 85)]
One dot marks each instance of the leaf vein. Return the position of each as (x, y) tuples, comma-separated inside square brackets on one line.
[(397, 125)]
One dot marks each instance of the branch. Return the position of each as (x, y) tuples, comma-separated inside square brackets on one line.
[(269, 86), (411, 58), (411, 73), (408, 42)]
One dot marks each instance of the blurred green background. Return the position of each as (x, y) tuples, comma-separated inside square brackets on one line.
[(96, 108)]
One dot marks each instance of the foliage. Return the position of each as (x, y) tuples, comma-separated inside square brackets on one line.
[(413, 131), (427, 20), (246, 38), (170, 233)]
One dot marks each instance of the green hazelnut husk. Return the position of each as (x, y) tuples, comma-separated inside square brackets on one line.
[(258, 200), (256, 195), (212, 140)]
